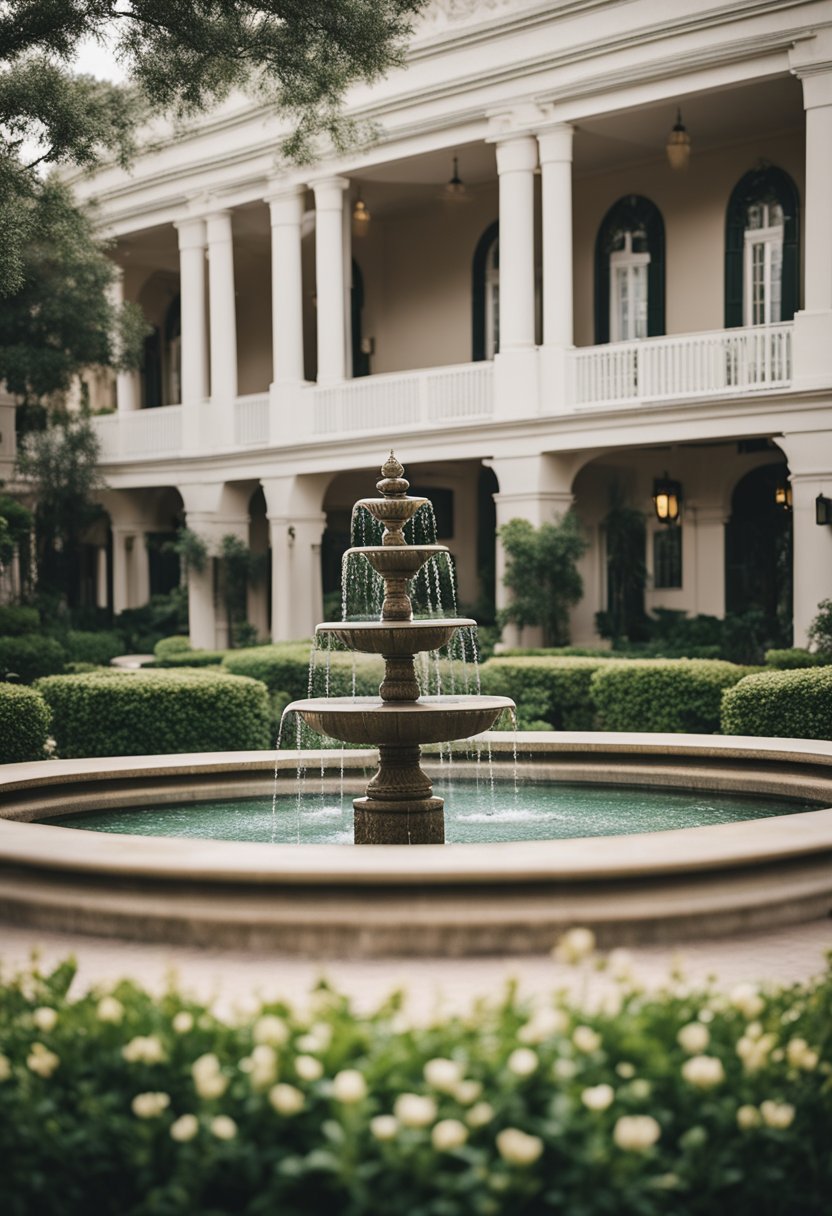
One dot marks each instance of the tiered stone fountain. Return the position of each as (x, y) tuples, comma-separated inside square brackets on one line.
[(399, 807)]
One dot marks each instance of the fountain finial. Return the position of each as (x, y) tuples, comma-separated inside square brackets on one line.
[(393, 484)]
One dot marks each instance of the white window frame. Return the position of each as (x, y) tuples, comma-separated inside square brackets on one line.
[(771, 238), (625, 259)]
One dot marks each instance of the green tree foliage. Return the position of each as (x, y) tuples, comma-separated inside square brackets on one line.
[(626, 539), (239, 568), (820, 630), (542, 574), (15, 524), (60, 463)]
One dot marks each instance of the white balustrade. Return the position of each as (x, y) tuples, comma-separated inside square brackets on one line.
[(140, 433), (717, 364), (402, 400), (251, 420)]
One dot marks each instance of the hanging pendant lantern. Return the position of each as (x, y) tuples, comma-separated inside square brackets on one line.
[(678, 145)]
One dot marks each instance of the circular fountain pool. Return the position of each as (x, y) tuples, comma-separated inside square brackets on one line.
[(330, 901)]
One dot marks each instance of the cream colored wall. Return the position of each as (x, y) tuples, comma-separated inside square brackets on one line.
[(693, 206), (252, 283)]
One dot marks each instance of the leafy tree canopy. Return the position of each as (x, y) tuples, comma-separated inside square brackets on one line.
[(542, 574)]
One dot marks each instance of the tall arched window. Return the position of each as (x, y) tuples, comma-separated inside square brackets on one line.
[(629, 272), (761, 249), (486, 295)]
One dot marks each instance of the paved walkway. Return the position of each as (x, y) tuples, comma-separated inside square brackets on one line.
[(786, 956)]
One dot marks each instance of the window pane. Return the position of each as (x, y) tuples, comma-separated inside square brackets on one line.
[(639, 279), (667, 557)]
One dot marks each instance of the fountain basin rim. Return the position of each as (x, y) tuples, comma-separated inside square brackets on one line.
[(374, 722), (36, 847), (422, 622)]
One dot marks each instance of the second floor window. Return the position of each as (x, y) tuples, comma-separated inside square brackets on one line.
[(629, 287), (763, 263), (762, 249), (629, 272), (492, 300)]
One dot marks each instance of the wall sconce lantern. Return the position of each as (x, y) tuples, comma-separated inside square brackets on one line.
[(360, 217), (667, 499), (290, 531), (783, 495), (823, 510), (678, 145)]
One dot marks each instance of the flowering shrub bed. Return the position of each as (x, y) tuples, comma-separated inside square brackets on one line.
[(682, 1101)]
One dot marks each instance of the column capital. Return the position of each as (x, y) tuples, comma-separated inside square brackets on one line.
[(555, 143), (809, 453), (516, 154), (810, 60), (218, 225), (329, 192), (191, 232)]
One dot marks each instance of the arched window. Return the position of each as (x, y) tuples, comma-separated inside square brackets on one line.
[(761, 249), (173, 351), (629, 272), (486, 295)]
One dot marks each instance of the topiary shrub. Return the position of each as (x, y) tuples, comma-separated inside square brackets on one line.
[(189, 658), (93, 647), (170, 646), (16, 619), (24, 724), (547, 689), (31, 656), (668, 695), (133, 713), (781, 704), (788, 660)]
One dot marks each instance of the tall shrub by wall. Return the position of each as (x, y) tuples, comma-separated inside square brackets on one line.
[(664, 695), (24, 724), (134, 713), (784, 704), (546, 689)]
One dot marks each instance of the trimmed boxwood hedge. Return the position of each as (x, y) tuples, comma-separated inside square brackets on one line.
[(781, 704), (189, 658), (31, 656), (24, 724), (547, 689), (663, 695), (98, 647), (789, 660), (285, 668), (135, 713), (167, 647), (16, 619)]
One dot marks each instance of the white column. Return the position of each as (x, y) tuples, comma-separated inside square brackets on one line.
[(101, 578), (131, 567), (329, 278), (120, 568), (287, 287), (202, 618), (556, 179), (127, 388), (192, 297), (810, 470), (223, 311), (280, 541), (516, 163), (707, 534)]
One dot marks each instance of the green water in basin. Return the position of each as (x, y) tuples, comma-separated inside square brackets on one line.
[(475, 812)]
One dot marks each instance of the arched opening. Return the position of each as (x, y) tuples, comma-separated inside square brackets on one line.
[(758, 551), (762, 268), (485, 312), (360, 356), (161, 371), (629, 272)]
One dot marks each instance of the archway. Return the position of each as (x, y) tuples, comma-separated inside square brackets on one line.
[(758, 551)]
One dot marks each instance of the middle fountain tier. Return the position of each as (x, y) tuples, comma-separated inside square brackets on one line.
[(399, 806)]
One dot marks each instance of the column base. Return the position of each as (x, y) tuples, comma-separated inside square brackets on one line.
[(378, 822)]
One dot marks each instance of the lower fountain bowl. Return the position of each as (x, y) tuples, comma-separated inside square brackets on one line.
[(371, 721), (399, 640)]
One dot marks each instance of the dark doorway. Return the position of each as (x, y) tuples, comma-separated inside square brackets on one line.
[(758, 552)]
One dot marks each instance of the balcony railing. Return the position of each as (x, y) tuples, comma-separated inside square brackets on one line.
[(251, 420), (689, 365), (140, 433)]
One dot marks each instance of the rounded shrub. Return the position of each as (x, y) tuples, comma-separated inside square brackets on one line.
[(97, 647), (546, 689), (663, 695), (24, 724), (16, 619), (167, 647), (134, 713), (781, 704), (189, 658), (31, 656)]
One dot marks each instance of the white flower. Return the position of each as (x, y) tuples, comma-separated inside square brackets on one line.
[(208, 1079), (800, 1055), (575, 945), (270, 1029), (448, 1134), (183, 1021), (564, 1068), (586, 1039), (598, 1097), (442, 1074), (150, 1106), (611, 1003), (41, 1060), (523, 1062), (635, 1133), (349, 1086), (777, 1114), (414, 1110), (262, 1066), (480, 1114), (144, 1049), (5, 1067), (640, 1089), (747, 1000), (693, 1038), (543, 1024), (703, 1071), (706, 1016), (754, 1053), (223, 1127), (384, 1127), (748, 1117), (518, 1148), (286, 1099), (45, 1018), (620, 965), (109, 1009), (184, 1128), (308, 1068), (625, 1069), (467, 1092)]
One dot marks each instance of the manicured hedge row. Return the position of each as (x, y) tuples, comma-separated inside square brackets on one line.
[(31, 656), (547, 689), (285, 668), (665, 695), (784, 704), (788, 660), (189, 658), (24, 724), (16, 619), (93, 647), (171, 646), (135, 713)]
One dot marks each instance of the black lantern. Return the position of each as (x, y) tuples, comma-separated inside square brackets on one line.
[(823, 510), (667, 499)]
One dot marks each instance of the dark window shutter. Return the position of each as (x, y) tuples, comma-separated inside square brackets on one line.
[(764, 184), (630, 214), (485, 242)]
